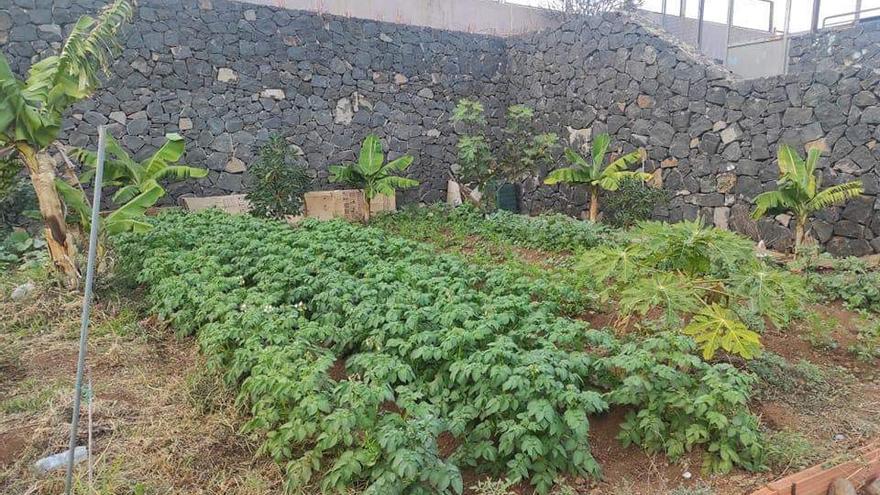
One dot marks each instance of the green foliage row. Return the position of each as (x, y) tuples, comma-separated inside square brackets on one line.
[(355, 350), (552, 232)]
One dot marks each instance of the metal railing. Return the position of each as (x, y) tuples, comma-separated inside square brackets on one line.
[(856, 18)]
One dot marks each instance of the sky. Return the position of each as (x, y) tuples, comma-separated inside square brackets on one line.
[(753, 13)]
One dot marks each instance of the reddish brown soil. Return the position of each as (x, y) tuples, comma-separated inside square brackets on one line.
[(338, 372), (447, 443), (793, 345), (777, 415), (13, 444)]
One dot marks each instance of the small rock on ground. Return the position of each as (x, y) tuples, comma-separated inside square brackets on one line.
[(59, 460), (841, 486), (23, 291)]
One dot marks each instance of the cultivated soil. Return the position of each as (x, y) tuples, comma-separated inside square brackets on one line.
[(162, 424)]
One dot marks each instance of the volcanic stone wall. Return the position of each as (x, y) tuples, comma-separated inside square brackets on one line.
[(828, 49), (711, 139), (226, 75)]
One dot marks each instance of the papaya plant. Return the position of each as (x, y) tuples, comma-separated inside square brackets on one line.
[(798, 191), (372, 173), (688, 269), (476, 162), (595, 174), (521, 152)]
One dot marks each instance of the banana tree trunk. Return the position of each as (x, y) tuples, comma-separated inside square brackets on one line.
[(594, 203), (62, 249), (368, 204), (799, 229)]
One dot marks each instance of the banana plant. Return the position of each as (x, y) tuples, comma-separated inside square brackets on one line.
[(130, 217), (372, 174), (595, 174), (132, 177), (31, 112), (798, 191)]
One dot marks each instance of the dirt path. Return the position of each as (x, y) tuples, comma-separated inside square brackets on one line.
[(161, 425)]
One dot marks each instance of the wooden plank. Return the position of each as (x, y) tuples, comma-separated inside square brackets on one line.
[(858, 472), (233, 203), (815, 480), (784, 485)]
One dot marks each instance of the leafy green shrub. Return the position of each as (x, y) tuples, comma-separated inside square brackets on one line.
[(682, 402), (19, 247), (867, 345), (688, 268), (429, 345), (16, 194), (277, 181), (632, 202), (551, 232)]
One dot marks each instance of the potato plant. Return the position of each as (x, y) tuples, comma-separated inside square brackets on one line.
[(552, 232), (355, 351)]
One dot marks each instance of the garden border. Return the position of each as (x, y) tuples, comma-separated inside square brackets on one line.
[(816, 480)]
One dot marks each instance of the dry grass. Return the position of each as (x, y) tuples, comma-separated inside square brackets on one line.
[(160, 424)]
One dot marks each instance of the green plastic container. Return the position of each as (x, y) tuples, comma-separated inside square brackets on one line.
[(507, 197)]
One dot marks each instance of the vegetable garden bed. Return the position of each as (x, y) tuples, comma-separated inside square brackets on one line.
[(432, 345), (368, 362)]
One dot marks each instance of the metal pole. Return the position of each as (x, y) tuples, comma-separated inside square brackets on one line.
[(700, 24), (663, 14), (729, 25), (87, 304), (772, 5), (858, 10), (785, 37), (814, 24)]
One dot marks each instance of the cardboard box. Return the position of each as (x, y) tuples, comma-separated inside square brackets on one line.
[(323, 205), (233, 203), (349, 204)]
